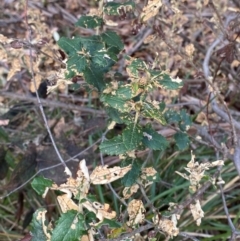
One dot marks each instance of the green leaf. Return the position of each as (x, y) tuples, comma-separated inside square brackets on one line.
[(92, 44), (135, 66), (94, 76), (162, 106), (77, 63), (153, 140), (11, 159), (37, 226), (172, 116), (89, 22), (168, 83), (110, 223), (70, 74), (39, 184), (119, 117), (89, 217), (186, 121), (70, 226), (155, 178), (182, 140), (131, 177), (150, 111), (116, 102), (132, 136), (114, 114), (112, 40), (181, 118), (103, 59), (114, 146), (124, 92), (165, 80), (112, 8), (70, 46), (3, 134)]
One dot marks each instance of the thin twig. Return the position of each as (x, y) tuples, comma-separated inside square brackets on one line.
[(226, 211), (149, 203), (67, 170), (48, 168), (235, 232), (52, 103), (211, 3), (227, 116)]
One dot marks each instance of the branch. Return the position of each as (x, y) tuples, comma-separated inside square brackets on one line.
[(226, 116), (48, 168), (233, 229), (52, 103)]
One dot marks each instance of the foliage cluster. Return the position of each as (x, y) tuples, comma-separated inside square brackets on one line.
[(144, 201), (127, 101)]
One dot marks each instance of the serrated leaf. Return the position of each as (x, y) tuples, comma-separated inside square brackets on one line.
[(127, 118), (89, 22), (116, 102), (182, 140), (150, 111), (38, 226), (181, 118), (39, 184), (113, 8), (70, 46), (94, 76), (92, 44), (70, 74), (186, 120), (172, 116), (162, 106), (155, 178), (119, 117), (153, 140), (77, 63), (131, 177), (112, 40), (114, 114), (70, 226), (168, 83), (124, 92), (114, 146), (132, 136), (165, 80), (89, 217), (135, 66), (103, 59)]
